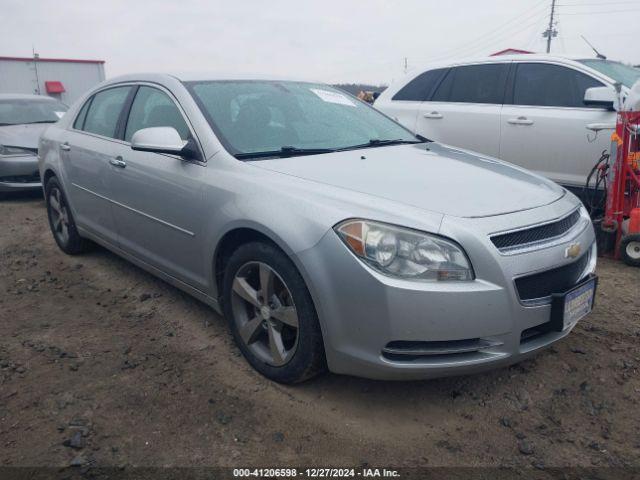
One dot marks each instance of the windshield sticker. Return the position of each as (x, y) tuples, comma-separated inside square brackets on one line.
[(332, 97), (59, 114)]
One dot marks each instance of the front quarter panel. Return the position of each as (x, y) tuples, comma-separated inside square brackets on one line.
[(49, 153), (292, 212)]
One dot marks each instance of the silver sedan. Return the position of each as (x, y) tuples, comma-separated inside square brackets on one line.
[(328, 235), (23, 118)]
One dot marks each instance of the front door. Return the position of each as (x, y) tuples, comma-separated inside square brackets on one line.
[(545, 124), (159, 204)]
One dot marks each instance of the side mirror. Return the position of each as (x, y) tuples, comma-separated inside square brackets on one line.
[(159, 140), (604, 97)]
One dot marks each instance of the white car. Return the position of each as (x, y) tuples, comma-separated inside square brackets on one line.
[(541, 112)]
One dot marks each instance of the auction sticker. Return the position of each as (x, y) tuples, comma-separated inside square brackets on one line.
[(332, 97)]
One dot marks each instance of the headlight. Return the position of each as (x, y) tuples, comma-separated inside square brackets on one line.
[(405, 253), (8, 151)]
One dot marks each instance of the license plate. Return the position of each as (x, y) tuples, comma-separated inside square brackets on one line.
[(578, 303)]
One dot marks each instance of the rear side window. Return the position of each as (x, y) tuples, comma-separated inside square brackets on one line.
[(154, 108), (547, 85), (420, 88), (104, 111), (474, 84), (79, 123)]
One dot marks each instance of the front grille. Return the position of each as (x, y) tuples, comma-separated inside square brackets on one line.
[(33, 178), (557, 280), (528, 236)]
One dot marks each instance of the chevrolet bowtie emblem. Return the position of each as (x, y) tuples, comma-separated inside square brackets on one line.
[(572, 251)]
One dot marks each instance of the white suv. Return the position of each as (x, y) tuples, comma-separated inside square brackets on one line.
[(537, 111)]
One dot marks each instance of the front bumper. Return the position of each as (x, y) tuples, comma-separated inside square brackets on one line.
[(467, 326), (19, 173)]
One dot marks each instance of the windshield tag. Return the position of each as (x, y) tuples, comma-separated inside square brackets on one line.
[(59, 114), (333, 97)]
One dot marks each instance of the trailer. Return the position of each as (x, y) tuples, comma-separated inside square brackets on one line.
[(61, 78)]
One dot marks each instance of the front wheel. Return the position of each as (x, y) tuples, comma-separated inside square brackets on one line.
[(61, 221), (271, 314)]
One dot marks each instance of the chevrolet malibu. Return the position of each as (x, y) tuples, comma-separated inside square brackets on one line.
[(328, 235)]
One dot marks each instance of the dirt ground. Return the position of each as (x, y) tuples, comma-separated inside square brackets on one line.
[(101, 364)]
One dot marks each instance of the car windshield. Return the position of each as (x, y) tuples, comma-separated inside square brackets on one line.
[(21, 111), (273, 118), (625, 74)]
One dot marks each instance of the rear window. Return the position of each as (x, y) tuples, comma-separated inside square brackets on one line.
[(474, 84), (420, 88)]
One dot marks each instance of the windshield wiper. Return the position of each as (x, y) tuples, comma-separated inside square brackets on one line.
[(286, 151), (41, 121), (377, 142)]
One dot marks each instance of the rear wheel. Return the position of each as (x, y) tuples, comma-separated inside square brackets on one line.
[(271, 314), (630, 249), (61, 220)]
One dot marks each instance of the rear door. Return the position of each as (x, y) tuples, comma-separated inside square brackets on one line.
[(406, 103), (159, 206), (464, 109), (544, 123), (86, 151)]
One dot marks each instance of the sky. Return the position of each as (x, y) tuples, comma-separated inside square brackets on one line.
[(329, 40)]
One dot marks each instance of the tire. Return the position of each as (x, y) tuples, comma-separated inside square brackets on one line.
[(61, 221), (630, 249), (256, 324)]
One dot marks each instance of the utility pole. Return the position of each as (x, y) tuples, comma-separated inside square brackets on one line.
[(36, 57), (550, 32), (406, 64)]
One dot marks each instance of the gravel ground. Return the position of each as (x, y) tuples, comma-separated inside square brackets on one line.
[(102, 364)]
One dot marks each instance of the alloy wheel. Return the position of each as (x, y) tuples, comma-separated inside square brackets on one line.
[(59, 215), (265, 313)]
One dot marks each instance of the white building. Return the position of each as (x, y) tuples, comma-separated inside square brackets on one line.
[(64, 79)]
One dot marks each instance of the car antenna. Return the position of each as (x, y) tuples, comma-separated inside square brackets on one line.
[(598, 54)]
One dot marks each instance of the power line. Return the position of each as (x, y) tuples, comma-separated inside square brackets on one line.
[(602, 12), (604, 4), (484, 38)]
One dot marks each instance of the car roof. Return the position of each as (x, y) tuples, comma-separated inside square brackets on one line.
[(21, 96), (536, 57), (202, 76)]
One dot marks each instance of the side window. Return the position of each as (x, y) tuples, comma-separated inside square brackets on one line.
[(79, 123), (541, 84), (104, 111), (474, 84), (154, 108), (420, 88)]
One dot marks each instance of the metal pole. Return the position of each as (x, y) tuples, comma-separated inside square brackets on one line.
[(36, 57), (549, 31)]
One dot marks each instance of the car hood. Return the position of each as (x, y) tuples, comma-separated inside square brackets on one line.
[(429, 176), (25, 136)]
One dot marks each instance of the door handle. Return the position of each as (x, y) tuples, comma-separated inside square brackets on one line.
[(118, 162), (520, 121), (65, 146), (432, 115)]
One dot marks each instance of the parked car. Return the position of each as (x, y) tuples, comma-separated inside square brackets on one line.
[(326, 233), (22, 119), (536, 111)]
